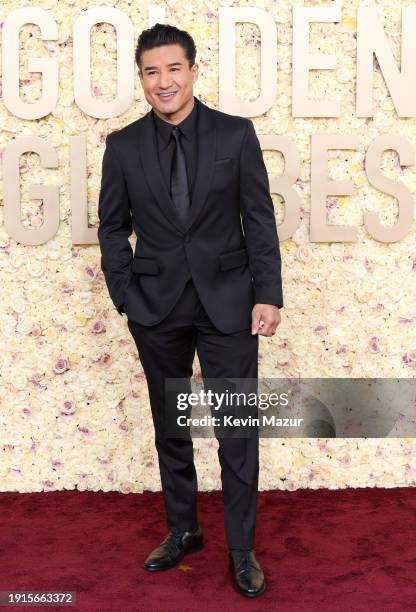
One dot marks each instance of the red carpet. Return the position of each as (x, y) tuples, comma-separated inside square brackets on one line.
[(323, 550)]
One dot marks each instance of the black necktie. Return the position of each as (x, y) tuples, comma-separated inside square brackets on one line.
[(179, 179)]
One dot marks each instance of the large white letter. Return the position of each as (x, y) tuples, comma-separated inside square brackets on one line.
[(48, 66), (371, 39), (284, 183), (322, 186), (82, 62), (228, 17), (303, 61), (81, 232), (389, 233), (48, 193)]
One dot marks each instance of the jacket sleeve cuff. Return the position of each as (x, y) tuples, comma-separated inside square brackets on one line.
[(268, 295), (120, 300)]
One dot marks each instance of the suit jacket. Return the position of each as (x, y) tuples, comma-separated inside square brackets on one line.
[(229, 245)]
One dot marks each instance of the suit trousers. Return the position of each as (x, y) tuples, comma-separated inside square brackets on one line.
[(167, 350)]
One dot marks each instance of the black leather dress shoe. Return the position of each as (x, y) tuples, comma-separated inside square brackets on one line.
[(248, 575), (172, 549)]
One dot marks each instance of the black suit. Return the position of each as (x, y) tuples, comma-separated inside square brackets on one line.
[(193, 286), (232, 271)]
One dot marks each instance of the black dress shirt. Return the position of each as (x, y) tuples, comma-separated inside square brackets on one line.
[(166, 145)]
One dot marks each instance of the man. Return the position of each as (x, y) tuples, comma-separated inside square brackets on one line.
[(205, 276)]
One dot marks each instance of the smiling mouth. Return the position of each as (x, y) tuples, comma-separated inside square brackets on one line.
[(167, 96)]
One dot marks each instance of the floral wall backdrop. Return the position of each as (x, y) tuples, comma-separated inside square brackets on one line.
[(74, 405)]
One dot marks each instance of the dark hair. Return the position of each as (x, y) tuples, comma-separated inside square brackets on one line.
[(162, 34)]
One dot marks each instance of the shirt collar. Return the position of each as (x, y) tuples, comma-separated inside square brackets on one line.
[(187, 125)]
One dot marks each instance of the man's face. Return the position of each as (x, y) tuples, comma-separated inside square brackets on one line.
[(166, 69)]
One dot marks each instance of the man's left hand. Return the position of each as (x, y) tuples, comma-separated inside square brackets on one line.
[(264, 319)]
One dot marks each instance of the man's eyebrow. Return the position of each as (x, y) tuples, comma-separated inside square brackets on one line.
[(154, 67)]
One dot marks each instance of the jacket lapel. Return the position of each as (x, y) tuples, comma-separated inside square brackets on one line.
[(206, 145), (206, 140)]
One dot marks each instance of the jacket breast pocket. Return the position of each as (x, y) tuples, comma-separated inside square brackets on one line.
[(145, 265), (223, 173), (233, 259)]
